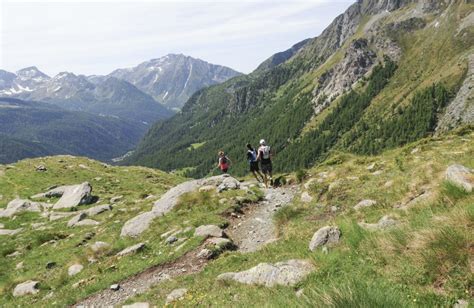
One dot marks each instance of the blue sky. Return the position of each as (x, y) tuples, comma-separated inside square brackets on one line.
[(91, 37)]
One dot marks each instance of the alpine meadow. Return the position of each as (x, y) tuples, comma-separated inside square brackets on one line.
[(336, 173)]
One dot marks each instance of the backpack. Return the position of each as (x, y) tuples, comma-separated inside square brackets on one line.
[(252, 156), (223, 160), (266, 152)]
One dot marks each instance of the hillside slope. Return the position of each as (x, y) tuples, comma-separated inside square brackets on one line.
[(32, 129), (370, 66)]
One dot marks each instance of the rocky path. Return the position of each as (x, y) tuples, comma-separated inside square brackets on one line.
[(256, 228), (249, 232), (140, 283)]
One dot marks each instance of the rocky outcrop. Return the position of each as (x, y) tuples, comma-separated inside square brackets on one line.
[(461, 176), (358, 60), (170, 199), (26, 288), (20, 205), (287, 273), (327, 235), (461, 110)]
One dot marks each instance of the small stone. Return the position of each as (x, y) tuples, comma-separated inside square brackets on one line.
[(87, 222), (79, 217), (26, 288), (205, 254), (19, 265), (299, 293), (334, 209), (306, 197), (115, 199), (41, 168), (176, 295), (115, 287), (171, 239), (99, 246), (209, 231), (75, 269), (131, 250), (325, 236), (364, 204), (461, 303)]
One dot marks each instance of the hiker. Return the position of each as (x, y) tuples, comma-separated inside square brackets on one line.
[(253, 162), (224, 162), (265, 158)]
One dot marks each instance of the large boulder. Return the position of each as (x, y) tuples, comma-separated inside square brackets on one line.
[(209, 231), (20, 205), (137, 225), (461, 176), (170, 199), (325, 236), (228, 183), (25, 288), (74, 195), (287, 273)]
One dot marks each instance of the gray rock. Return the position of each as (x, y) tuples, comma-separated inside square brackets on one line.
[(325, 236), (176, 295), (131, 250), (384, 223), (461, 176), (79, 217), (116, 199), (171, 239), (19, 265), (286, 273), (20, 205), (461, 303), (99, 246), (115, 287), (228, 183), (364, 204), (220, 243), (26, 288), (74, 195), (60, 215), (41, 168), (96, 210), (137, 225), (75, 269), (137, 305), (205, 254), (306, 197), (209, 231), (87, 222), (10, 232)]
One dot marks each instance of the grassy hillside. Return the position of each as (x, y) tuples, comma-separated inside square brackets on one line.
[(42, 241), (424, 261), (278, 104)]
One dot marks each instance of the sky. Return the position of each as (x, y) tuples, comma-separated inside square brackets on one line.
[(96, 37)]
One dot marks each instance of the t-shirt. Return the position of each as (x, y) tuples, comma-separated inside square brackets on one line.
[(264, 152)]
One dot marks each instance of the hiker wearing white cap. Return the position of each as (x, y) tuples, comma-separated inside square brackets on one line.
[(265, 158)]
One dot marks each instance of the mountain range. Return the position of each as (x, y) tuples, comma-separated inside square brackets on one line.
[(382, 74), (98, 99)]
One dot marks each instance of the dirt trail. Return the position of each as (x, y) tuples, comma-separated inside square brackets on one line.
[(249, 232), (256, 228)]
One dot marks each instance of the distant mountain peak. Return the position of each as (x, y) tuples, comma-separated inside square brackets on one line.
[(31, 72)]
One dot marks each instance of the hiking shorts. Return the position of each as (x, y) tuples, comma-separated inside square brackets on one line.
[(266, 167), (254, 166)]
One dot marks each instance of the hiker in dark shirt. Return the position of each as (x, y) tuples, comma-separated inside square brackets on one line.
[(253, 162), (265, 157)]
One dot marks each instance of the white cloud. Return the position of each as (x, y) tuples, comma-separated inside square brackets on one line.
[(92, 37)]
